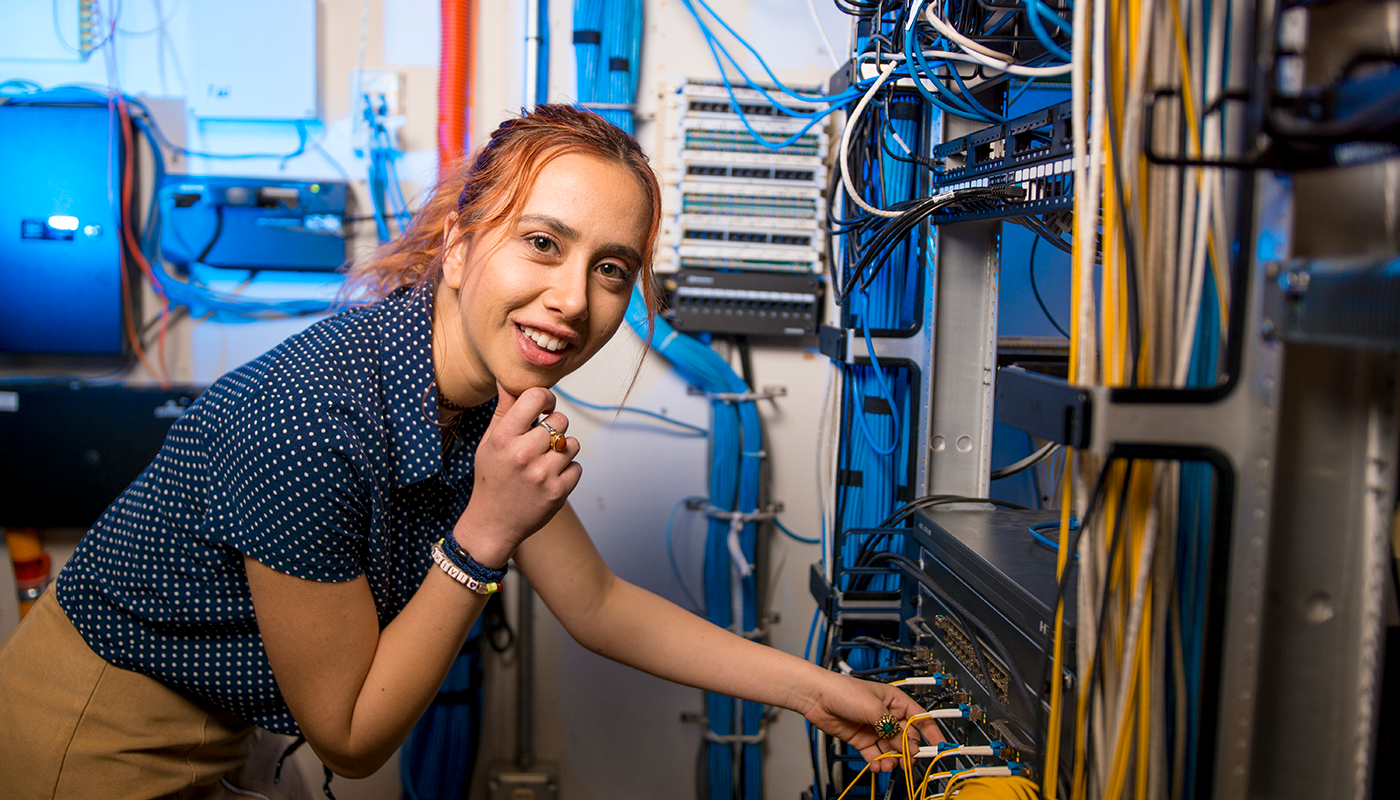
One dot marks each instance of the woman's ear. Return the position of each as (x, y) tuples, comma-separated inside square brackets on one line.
[(454, 253)]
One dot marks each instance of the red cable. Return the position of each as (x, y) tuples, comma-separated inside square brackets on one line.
[(453, 86), (161, 377)]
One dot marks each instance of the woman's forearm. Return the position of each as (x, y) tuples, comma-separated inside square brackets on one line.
[(636, 627), (355, 690)]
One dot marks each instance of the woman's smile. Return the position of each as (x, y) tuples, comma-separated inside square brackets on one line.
[(540, 348)]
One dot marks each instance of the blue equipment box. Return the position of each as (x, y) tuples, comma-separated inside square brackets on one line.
[(60, 231), (254, 223)]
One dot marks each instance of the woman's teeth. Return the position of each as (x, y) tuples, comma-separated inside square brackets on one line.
[(543, 339)]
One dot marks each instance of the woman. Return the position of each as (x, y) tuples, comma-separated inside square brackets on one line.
[(307, 553)]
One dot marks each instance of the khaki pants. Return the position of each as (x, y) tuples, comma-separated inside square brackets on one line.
[(74, 726)]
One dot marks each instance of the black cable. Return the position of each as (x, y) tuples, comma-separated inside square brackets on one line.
[(894, 233), (1036, 290), (1041, 453), (1096, 668), (867, 673), (891, 646), (929, 501), (867, 548), (218, 229), (1041, 731), (741, 343)]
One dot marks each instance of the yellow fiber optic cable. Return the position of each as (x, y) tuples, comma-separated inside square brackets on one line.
[(864, 770)]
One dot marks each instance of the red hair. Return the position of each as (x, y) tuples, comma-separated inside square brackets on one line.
[(487, 191)]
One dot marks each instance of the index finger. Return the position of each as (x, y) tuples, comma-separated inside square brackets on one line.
[(520, 414)]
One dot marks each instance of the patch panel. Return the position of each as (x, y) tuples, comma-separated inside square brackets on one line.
[(712, 99), (1032, 152), (731, 203), (741, 302)]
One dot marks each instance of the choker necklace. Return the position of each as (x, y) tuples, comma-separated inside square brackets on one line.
[(448, 428), (448, 404)]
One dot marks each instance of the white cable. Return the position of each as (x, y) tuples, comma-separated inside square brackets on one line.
[(922, 680), (992, 58), (826, 458), (1085, 197), (1098, 142), (1208, 211), (821, 29), (846, 145), (939, 713), (1144, 570), (931, 14)]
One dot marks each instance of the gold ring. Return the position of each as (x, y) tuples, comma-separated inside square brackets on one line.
[(887, 727), (556, 439)]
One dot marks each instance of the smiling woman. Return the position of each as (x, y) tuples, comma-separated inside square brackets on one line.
[(310, 548)]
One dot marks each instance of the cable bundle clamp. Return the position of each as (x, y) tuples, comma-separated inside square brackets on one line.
[(737, 520), (767, 393), (728, 738), (609, 106)]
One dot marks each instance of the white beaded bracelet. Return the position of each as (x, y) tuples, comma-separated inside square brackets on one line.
[(457, 574)]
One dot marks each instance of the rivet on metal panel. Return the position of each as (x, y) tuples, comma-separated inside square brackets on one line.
[(1319, 608)]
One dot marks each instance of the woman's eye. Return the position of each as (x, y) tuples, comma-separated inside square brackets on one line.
[(542, 244), (612, 271)]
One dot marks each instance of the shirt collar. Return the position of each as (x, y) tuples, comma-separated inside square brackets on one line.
[(407, 385)]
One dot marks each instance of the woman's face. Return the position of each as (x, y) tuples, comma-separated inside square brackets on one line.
[(540, 296)]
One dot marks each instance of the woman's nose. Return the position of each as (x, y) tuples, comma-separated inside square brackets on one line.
[(568, 292)]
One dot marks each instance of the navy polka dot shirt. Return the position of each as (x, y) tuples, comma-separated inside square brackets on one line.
[(317, 459)]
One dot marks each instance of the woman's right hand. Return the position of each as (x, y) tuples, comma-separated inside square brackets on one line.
[(521, 483)]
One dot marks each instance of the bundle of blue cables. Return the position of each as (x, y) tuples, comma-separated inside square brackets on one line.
[(736, 466)]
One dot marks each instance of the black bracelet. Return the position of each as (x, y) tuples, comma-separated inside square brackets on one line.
[(464, 561)]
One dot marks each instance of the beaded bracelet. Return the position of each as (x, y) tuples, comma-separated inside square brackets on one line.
[(464, 561), (459, 575)]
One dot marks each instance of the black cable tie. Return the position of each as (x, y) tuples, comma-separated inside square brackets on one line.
[(850, 477), (877, 405), (619, 64), (588, 37), (904, 111)]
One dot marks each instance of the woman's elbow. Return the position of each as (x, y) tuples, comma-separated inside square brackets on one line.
[(347, 763)]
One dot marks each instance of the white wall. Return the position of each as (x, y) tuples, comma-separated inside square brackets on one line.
[(614, 732)]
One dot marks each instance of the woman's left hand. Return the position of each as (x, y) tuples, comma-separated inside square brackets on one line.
[(848, 709)]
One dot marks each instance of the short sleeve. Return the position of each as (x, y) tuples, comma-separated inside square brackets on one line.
[(296, 495)]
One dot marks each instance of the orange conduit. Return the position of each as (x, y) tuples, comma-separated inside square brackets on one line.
[(31, 565), (455, 73)]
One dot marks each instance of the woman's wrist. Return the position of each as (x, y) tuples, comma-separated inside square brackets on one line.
[(489, 551), (812, 684)]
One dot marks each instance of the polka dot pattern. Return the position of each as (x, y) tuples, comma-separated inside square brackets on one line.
[(317, 459)]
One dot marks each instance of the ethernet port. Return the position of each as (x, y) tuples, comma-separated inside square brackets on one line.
[(1033, 139), (988, 151)]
